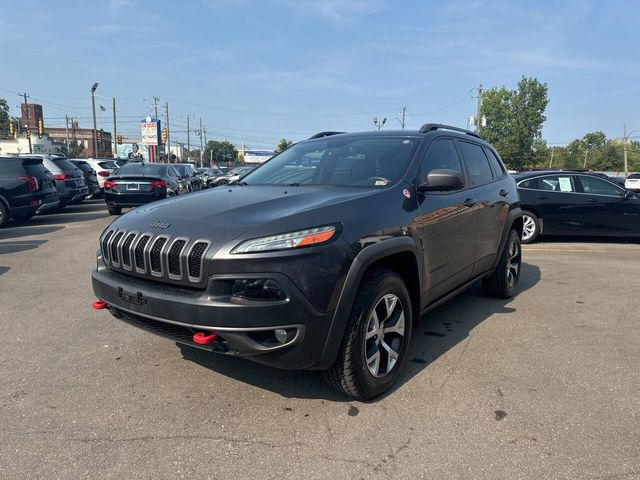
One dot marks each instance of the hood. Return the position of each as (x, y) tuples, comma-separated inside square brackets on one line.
[(224, 213)]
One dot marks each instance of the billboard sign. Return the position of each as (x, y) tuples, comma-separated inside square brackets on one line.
[(150, 131)]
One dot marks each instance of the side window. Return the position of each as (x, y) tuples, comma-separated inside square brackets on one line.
[(496, 165), (442, 154), (556, 183), (476, 162), (172, 172), (597, 186)]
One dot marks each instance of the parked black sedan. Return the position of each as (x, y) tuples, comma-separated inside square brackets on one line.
[(572, 203), (139, 183)]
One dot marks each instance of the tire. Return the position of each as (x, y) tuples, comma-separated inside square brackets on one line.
[(503, 282), (4, 214), (384, 292), (530, 227), (114, 210), (222, 182)]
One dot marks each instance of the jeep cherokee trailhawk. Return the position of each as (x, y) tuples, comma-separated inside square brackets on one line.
[(322, 258)]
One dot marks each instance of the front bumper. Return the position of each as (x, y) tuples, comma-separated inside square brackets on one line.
[(245, 329)]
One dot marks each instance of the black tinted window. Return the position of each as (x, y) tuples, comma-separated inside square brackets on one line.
[(498, 168), (9, 165), (142, 169), (63, 164), (598, 186), (476, 162), (108, 165), (35, 169), (442, 154), (550, 183)]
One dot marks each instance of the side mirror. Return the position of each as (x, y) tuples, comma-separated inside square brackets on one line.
[(441, 180), (629, 194)]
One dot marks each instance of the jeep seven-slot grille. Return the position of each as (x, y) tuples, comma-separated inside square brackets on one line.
[(158, 257), (140, 265), (175, 267), (156, 250), (126, 252), (195, 259), (115, 258)]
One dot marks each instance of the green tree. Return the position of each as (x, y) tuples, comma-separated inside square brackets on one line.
[(283, 145), (514, 121), (220, 152), (74, 151), (4, 116)]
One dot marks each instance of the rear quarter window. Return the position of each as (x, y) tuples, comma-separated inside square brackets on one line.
[(9, 165)]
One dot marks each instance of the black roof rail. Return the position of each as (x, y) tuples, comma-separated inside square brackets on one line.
[(431, 127), (324, 134)]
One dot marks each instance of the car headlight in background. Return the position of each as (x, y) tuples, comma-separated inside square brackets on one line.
[(287, 241)]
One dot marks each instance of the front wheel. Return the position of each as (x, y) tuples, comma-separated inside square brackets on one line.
[(376, 339), (503, 282)]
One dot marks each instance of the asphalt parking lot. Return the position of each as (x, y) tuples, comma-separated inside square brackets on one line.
[(546, 385)]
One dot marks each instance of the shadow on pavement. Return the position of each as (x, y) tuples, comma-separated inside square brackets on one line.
[(585, 239), (20, 246), (4, 270), (23, 229), (438, 332)]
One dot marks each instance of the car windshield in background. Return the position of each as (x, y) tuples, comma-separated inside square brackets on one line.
[(63, 164), (339, 161), (634, 176), (142, 169)]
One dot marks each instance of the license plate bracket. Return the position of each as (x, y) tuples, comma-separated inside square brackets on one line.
[(132, 298), (133, 186)]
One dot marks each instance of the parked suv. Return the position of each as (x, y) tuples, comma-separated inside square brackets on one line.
[(68, 179), (104, 167), (26, 187), (325, 263), (90, 176)]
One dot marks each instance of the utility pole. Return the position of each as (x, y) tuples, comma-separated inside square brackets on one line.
[(586, 154), (624, 143), (478, 109), (401, 119), (201, 147), (115, 132), (95, 128), (551, 160), (26, 107), (188, 141), (66, 121)]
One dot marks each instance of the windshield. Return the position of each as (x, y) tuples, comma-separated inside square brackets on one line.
[(339, 161), (142, 169), (108, 164)]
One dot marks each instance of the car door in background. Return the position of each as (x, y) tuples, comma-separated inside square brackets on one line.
[(606, 208)]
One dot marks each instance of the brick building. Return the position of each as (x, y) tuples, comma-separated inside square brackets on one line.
[(84, 137)]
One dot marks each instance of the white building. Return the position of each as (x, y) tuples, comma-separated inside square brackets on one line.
[(21, 145)]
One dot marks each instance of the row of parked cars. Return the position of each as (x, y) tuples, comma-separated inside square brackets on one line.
[(139, 183)]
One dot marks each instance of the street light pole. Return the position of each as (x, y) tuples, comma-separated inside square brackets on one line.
[(625, 139), (95, 127)]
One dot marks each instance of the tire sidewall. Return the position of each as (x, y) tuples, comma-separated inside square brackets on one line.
[(536, 232), (4, 214), (372, 386), (513, 237)]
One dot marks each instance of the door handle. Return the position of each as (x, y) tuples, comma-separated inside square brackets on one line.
[(470, 202), (504, 193), (542, 197), (592, 200)]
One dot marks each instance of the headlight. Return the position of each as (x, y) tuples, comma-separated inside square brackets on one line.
[(286, 241)]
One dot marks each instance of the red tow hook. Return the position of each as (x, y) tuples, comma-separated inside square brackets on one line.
[(201, 339), (99, 305)]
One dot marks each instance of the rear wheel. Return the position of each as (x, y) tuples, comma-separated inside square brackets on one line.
[(530, 227), (376, 340), (114, 210), (222, 182), (4, 215), (503, 282)]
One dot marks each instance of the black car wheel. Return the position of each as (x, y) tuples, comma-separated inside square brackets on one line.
[(114, 210), (376, 340), (223, 182), (4, 215), (530, 227), (503, 282)]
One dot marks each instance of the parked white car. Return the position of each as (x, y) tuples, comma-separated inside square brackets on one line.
[(633, 182), (104, 168)]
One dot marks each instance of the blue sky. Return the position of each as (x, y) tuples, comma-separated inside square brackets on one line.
[(258, 70)]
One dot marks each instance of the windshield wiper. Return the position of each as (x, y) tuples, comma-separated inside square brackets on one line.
[(243, 183)]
